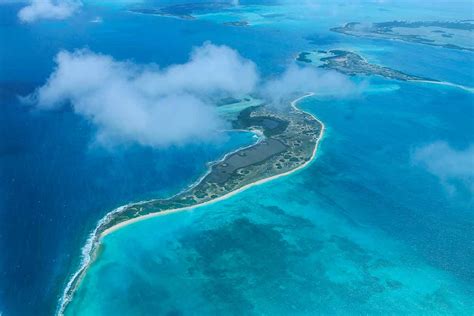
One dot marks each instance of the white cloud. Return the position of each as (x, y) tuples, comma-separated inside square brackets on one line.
[(144, 104), (48, 9), (452, 166), (298, 79), (97, 19)]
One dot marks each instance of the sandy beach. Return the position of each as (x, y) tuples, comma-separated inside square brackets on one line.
[(226, 196)]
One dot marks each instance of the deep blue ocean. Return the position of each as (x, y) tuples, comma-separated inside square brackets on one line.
[(365, 228)]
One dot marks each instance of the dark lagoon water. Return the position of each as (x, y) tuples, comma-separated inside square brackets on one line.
[(365, 228)]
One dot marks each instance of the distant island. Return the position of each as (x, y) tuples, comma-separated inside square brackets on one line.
[(350, 63), (187, 11), (184, 11), (453, 35), (237, 23), (288, 141)]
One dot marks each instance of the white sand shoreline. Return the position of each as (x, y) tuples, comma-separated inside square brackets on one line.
[(228, 195), (94, 241)]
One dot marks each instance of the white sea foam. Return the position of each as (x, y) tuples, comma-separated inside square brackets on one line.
[(87, 256)]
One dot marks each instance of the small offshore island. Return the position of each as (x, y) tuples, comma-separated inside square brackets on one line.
[(188, 11), (183, 11), (350, 63), (454, 35), (237, 23), (288, 141)]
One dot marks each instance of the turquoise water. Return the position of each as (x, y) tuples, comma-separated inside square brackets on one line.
[(361, 229), (365, 228)]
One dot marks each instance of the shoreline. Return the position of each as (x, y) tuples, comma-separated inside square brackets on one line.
[(89, 251), (228, 195), (419, 80)]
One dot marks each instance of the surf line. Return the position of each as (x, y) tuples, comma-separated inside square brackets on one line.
[(89, 251)]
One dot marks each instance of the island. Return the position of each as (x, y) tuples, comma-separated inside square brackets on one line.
[(189, 11), (350, 63), (288, 140), (184, 11), (453, 35), (237, 23)]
